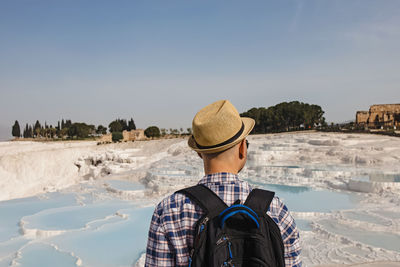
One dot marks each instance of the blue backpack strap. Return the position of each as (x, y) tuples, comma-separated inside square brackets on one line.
[(205, 198), (259, 200)]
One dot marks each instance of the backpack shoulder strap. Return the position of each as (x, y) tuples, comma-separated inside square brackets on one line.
[(259, 200), (205, 198)]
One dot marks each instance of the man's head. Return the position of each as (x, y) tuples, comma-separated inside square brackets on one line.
[(219, 136)]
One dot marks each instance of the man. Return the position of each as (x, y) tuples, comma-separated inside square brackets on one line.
[(219, 138)]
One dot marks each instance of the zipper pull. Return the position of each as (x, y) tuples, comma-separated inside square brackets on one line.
[(203, 224), (221, 240)]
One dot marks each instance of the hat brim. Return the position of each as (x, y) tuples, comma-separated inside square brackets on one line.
[(248, 126)]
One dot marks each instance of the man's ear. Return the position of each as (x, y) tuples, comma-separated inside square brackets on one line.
[(199, 155), (242, 152)]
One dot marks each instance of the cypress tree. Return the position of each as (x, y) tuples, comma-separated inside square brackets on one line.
[(131, 125), (37, 125), (16, 131), (68, 123), (36, 129), (26, 131), (30, 131)]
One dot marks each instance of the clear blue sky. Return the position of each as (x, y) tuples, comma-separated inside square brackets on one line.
[(161, 61)]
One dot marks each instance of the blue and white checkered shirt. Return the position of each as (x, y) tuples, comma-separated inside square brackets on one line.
[(172, 228)]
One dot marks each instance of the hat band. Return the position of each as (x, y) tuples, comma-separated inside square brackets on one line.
[(230, 140)]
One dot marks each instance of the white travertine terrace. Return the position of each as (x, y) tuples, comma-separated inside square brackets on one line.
[(362, 166)]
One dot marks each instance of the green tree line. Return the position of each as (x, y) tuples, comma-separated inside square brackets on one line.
[(66, 129), (286, 116)]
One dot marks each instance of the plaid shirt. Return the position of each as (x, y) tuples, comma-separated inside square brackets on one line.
[(172, 228)]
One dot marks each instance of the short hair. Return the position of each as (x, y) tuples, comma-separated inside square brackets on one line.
[(216, 154), (211, 155)]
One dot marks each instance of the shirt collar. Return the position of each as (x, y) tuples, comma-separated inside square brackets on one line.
[(219, 177)]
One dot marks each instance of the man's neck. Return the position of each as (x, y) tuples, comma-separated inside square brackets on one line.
[(211, 170)]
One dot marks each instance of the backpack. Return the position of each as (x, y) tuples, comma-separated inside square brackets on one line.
[(239, 235)]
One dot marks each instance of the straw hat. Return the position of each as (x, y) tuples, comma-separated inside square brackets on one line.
[(218, 127)]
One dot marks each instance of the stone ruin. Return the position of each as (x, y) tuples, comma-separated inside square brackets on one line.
[(133, 135), (380, 116)]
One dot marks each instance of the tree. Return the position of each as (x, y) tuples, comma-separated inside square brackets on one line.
[(30, 131), (115, 126), (26, 131), (124, 124), (101, 129), (79, 129), (52, 132), (42, 132), (36, 128), (131, 125), (68, 123), (58, 129), (152, 131), (116, 136), (285, 116), (16, 131), (92, 129), (63, 132), (174, 131)]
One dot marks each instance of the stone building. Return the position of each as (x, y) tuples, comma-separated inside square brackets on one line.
[(378, 116), (127, 136), (133, 135), (107, 138), (362, 117)]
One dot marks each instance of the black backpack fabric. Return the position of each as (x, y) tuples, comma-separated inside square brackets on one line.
[(239, 235)]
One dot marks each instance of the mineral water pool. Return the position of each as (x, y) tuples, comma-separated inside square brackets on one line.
[(389, 241), (40, 254), (303, 225), (125, 185), (63, 229), (306, 199), (69, 228), (13, 210)]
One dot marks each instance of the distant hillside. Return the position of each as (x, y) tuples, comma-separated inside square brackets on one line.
[(5, 133)]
